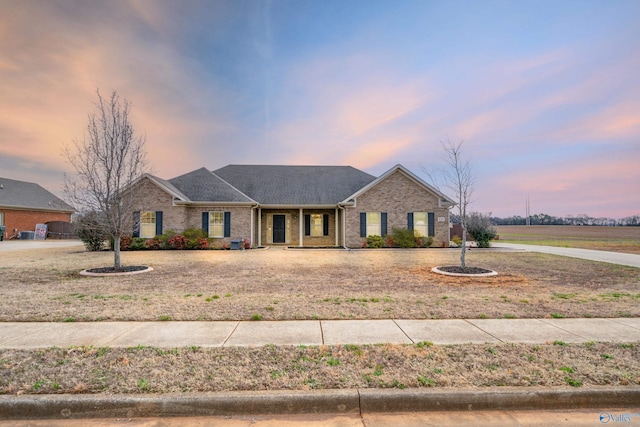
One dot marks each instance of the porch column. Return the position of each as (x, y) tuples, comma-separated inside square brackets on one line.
[(301, 227), (344, 227), (259, 226), (337, 227), (252, 220)]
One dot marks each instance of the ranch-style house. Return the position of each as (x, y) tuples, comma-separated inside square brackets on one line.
[(291, 205)]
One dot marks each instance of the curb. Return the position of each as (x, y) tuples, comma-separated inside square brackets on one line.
[(351, 401)]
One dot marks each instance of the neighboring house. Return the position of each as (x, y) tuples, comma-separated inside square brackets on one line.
[(25, 204), (291, 205)]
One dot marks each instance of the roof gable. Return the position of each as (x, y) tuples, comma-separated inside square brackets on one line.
[(202, 185), (295, 185), (443, 198), (22, 194)]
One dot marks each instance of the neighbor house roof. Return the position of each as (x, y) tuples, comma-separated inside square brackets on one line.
[(29, 195), (295, 185)]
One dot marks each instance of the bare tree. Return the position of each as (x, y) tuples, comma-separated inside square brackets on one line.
[(108, 160), (457, 176)]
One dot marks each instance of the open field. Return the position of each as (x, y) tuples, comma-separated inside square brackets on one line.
[(616, 239), (44, 284)]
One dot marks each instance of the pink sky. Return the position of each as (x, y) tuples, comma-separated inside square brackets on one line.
[(546, 98)]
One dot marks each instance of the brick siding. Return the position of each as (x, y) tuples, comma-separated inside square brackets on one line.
[(150, 197), (397, 195)]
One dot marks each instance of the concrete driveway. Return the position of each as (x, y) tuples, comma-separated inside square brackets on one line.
[(25, 245), (602, 256)]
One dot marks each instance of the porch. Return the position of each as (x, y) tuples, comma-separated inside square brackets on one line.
[(291, 226)]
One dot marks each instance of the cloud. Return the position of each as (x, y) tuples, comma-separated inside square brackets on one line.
[(50, 78)]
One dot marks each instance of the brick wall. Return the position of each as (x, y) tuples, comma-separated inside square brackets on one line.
[(397, 195), (25, 220), (240, 222), (330, 239), (150, 197)]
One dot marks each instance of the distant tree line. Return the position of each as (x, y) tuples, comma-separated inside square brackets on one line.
[(544, 219)]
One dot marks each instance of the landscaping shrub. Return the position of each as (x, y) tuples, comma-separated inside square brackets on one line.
[(480, 229), (196, 238), (203, 243), (424, 242), (164, 239), (136, 244), (87, 228), (153, 244), (375, 242), (177, 241), (125, 243), (388, 241), (404, 238)]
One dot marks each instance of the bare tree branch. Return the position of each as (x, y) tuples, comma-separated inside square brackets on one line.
[(457, 176), (107, 160)]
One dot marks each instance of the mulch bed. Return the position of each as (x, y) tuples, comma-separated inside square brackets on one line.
[(125, 269), (467, 270)]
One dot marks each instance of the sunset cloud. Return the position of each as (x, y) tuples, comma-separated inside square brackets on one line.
[(548, 106)]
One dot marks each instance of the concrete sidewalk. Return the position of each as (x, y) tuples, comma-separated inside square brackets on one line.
[(23, 335)]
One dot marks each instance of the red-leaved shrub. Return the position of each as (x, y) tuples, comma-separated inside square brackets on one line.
[(177, 242)]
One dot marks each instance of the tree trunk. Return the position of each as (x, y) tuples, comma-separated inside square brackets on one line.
[(464, 247), (117, 265)]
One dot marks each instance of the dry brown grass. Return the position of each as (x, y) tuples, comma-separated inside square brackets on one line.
[(44, 285), (616, 239), (193, 369), (299, 284)]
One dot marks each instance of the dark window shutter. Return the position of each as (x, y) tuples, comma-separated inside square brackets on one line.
[(410, 221), (227, 224), (325, 225), (383, 223), (307, 225), (363, 224), (432, 225), (136, 224), (158, 223), (205, 222)]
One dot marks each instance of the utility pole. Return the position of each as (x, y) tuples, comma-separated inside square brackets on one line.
[(528, 209)]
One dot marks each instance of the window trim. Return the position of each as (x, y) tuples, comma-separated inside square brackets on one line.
[(213, 226), (146, 226), (417, 229)]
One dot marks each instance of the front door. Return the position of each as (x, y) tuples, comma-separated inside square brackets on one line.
[(279, 222)]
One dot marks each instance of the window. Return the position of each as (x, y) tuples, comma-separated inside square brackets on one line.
[(147, 224), (1, 218), (373, 224), (420, 224), (317, 227), (216, 224)]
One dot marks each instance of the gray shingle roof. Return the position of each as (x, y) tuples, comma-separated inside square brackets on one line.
[(22, 194), (295, 185), (202, 185)]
